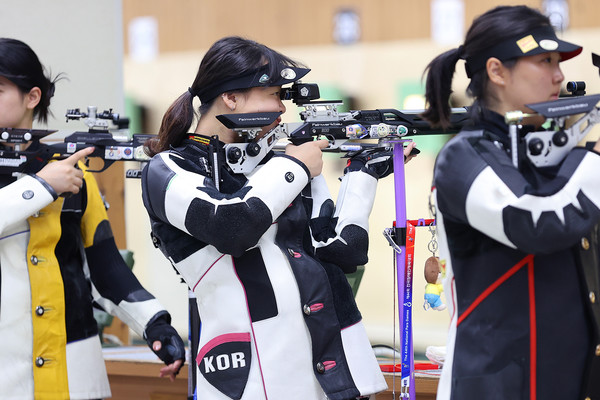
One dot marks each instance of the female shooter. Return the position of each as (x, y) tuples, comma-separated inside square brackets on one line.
[(520, 244), (265, 253), (57, 256)]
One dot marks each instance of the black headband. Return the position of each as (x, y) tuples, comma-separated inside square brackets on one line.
[(254, 78), (541, 40)]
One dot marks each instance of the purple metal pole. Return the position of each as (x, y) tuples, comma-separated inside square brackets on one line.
[(404, 286)]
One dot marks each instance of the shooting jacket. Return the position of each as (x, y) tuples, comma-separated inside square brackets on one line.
[(522, 269), (49, 344), (264, 256)]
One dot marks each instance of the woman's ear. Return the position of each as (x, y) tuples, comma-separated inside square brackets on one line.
[(33, 97), (230, 100), (496, 71)]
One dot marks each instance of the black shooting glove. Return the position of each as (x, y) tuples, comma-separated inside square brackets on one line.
[(377, 162), (159, 328)]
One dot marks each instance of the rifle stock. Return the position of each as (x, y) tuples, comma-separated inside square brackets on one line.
[(346, 131), (110, 145)]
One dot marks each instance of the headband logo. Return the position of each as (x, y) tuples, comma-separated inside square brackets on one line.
[(527, 44), (288, 73), (264, 78), (548, 44)]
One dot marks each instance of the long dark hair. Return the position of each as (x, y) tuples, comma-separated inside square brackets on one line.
[(20, 65), (490, 28), (229, 57)]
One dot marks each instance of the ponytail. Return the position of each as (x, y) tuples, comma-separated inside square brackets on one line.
[(438, 87), (42, 110), (492, 27), (174, 126)]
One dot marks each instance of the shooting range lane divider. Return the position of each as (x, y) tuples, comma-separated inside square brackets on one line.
[(404, 233), (404, 276)]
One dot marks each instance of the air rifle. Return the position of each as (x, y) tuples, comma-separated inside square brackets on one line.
[(110, 145), (346, 131), (548, 148)]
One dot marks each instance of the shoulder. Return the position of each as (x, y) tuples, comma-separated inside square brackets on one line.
[(159, 167), (460, 154), (183, 159), (457, 166), (466, 138)]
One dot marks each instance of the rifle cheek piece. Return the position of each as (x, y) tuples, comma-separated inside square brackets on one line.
[(549, 148)]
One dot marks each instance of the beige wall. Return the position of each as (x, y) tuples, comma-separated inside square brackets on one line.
[(371, 74), (194, 24)]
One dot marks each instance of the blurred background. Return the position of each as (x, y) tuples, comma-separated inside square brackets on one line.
[(138, 56)]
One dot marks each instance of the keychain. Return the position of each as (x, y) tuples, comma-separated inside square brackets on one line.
[(433, 275)]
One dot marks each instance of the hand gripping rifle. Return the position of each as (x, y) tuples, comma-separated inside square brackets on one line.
[(548, 148), (110, 145), (346, 131)]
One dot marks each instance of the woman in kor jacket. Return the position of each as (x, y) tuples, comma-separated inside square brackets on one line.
[(49, 344), (265, 253), (520, 244)]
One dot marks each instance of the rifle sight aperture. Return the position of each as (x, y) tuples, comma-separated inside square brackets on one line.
[(301, 93), (576, 88)]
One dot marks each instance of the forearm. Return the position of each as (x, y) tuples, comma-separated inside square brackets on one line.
[(346, 241), (230, 222), (23, 198)]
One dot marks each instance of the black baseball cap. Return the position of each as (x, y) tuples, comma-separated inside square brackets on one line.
[(255, 78), (541, 40)]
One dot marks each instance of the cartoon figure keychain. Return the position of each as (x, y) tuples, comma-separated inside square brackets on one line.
[(433, 275)]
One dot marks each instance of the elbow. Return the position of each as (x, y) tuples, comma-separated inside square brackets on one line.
[(549, 233), (232, 228), (349, 250), (236, 244)]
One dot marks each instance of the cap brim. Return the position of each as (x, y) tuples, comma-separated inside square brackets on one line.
[(548, 42), (568, 50)]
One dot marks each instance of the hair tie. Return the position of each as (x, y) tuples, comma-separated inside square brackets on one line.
[(51, 89), (192, 92), (461, 51)]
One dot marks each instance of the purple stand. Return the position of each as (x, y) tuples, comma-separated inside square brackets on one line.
[(404, 280)]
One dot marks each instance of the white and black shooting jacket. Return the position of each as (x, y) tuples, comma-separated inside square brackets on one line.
[(265, 256), (521, 252)]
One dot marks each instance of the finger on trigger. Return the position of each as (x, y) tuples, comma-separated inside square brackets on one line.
[(81, 154), (323, 143)]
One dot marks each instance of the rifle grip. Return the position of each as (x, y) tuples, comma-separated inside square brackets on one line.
[(297, 141)]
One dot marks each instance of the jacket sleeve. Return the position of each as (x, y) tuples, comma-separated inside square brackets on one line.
[(232, 222), (114, 287), (476, 184), (23, 198), (340, 234)]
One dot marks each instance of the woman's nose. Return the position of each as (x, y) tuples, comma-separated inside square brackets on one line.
[(558, 75)]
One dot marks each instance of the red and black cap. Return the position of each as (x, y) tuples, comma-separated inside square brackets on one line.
[(255, 78), (541, 40)]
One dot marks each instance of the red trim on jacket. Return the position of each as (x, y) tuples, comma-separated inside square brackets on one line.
[(527, 260)]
